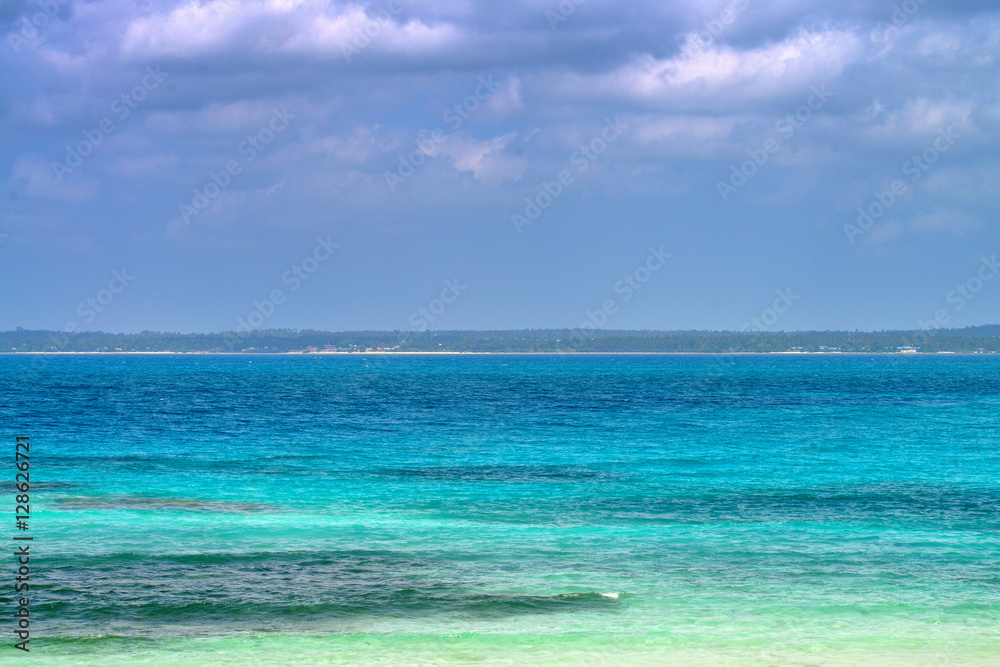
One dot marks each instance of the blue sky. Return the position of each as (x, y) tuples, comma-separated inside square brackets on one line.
[(498, 165)]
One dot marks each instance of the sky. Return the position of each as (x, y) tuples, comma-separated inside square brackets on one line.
[(456, 164)]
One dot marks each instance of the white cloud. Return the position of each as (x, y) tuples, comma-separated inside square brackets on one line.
[(309, 27), (354, 32), (267, 192), (722, 77), (925, 116), (506, 99), (485, 160), (190, 30)]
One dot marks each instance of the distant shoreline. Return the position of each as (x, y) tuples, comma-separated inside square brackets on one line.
[(449, 353), (975, 340)]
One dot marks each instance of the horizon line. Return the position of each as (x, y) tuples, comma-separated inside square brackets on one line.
[(595, 331)]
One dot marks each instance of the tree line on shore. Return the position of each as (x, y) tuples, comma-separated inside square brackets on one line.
[(984, 339)]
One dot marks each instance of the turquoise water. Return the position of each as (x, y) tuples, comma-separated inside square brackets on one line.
[(822, 510)]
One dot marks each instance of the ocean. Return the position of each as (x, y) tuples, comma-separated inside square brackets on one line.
[(505, 509)]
